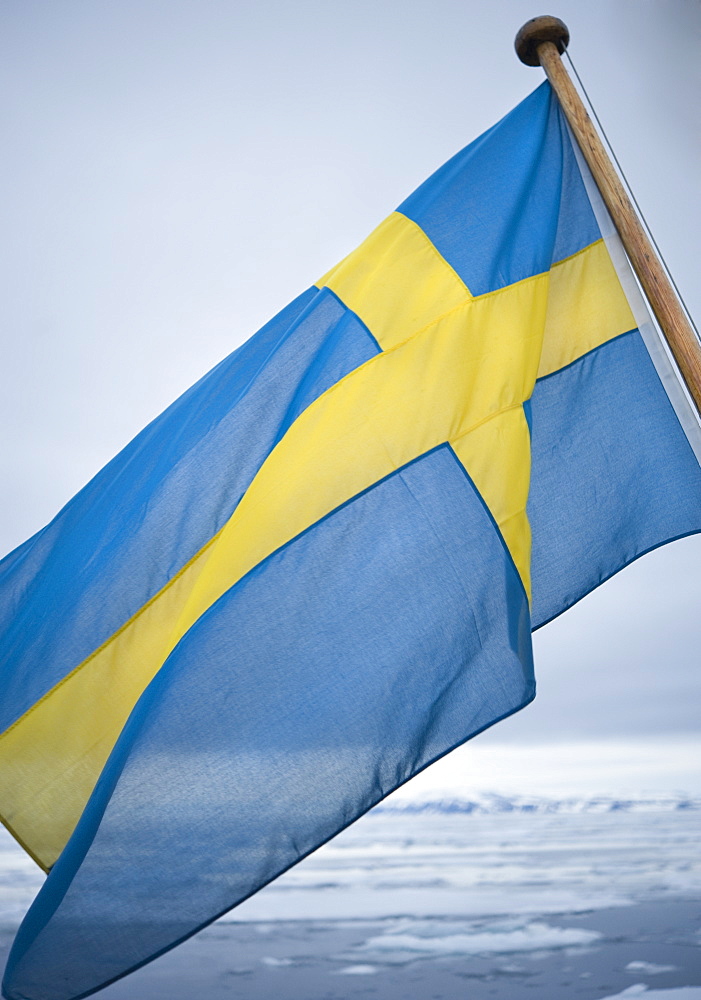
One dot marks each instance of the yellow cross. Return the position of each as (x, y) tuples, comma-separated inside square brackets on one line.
[(454, 368)]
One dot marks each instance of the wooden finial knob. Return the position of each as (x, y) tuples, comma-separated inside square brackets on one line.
[(535, 32)]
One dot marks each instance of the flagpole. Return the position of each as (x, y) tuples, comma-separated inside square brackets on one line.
[(541, 41)]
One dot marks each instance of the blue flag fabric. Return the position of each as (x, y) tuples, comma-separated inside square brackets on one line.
[(319, 569)]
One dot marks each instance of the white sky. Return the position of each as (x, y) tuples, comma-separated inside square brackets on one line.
[(175, 171)]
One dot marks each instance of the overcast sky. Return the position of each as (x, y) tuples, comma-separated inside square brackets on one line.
[(175, 171)]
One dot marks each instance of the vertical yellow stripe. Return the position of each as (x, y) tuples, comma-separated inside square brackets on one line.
[(396, 281), (497, 455)]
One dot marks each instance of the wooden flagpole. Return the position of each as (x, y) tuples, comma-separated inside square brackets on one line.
[(540, 42)]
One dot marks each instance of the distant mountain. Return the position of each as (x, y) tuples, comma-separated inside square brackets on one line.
[(488, 803)]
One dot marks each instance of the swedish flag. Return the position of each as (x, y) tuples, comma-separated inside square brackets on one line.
[(319, 569)]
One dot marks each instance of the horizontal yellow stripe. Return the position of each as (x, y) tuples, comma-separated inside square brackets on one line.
[(456, 377), (394, 280), (474, 362), (586, 307), (52, 757)]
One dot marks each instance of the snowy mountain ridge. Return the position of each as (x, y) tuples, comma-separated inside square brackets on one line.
[(490, 803)]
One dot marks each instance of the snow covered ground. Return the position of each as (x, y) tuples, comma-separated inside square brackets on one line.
[(490, 896)]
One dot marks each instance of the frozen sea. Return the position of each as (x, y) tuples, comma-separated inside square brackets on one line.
[(493, 896)]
